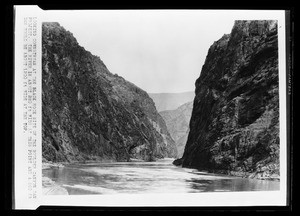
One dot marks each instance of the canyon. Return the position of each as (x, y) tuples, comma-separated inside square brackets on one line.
[(177, 122), (229, 125)]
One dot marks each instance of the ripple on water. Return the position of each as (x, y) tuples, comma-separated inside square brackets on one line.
[(147, 177)]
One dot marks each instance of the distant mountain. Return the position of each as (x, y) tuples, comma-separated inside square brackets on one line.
[(90, 113), (171, 101), (177, 122)]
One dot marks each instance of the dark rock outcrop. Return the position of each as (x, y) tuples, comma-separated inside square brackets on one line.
[(177, 122), (90, 114), (234, 126), (171, 101)]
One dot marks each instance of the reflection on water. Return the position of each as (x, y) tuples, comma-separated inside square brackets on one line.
[(147, 177)]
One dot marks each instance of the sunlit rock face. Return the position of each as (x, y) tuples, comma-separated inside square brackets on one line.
[(234, 126), (89, 113), (177, 122)]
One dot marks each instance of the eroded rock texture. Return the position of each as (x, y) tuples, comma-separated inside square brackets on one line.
[(177, 122), (234, 126), (89, 113)]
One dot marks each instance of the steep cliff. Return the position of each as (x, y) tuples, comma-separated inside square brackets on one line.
[(177, 122), (90, 114), (234, 126)]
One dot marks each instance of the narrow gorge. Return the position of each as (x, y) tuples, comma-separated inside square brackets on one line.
[(234, 127), (231, 127), (102, 134), (88, 113)]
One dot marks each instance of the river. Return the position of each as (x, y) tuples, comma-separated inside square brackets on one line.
[(147, 177)]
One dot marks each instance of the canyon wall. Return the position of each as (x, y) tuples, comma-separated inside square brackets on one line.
[(234, 128), (88, 113)]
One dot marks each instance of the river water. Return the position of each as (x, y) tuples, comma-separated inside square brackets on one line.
[(147, 177)]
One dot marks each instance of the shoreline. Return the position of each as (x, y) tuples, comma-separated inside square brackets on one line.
[(50, 187), (258, 175), (50, 164), (264, 173)]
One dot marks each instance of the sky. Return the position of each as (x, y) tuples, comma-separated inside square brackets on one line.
[(157, 50)]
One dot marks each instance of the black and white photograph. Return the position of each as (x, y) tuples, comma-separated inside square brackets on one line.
[(154, 102)]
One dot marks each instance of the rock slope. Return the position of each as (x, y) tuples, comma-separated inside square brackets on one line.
[(90, 114), (171, 101), (234, 126), (177, 122)]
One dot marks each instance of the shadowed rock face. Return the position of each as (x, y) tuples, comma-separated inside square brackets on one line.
[(177, 122), (234, 126), (89, 113)]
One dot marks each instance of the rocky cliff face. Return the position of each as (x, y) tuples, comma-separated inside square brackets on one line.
[(89, 113), (177, 122), (234, 126)]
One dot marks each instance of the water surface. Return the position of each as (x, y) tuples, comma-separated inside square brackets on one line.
[(148, 177)]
